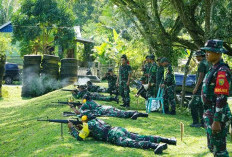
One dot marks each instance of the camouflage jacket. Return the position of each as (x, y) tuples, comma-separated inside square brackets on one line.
[(203, 67), (111, 80), (79, 94), (169, 78), (152, 73), (159, 74), (215, 90), (124, 71), (98, 130), (146, 68)]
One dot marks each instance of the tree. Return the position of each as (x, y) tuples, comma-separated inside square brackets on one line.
[(7, 7), (176, 23), (41, 24), (4, 46)]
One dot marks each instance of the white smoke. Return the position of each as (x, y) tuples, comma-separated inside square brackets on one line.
[(83, 81)]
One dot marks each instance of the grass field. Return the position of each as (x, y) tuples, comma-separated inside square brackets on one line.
[(22, 135)]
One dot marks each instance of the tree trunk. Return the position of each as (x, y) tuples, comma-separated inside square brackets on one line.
[(185, 76), (208, 6), (2, 70)]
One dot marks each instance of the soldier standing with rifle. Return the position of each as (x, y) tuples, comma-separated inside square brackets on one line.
[(196, 105), (215, 90), (124, 81)]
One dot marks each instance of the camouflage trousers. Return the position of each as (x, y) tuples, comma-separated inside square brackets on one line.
[(96, 96), (124, 91), (109, 111), (121, 137), (169, 98), (196, 107), (217, 142), (151, 92), (112, 90)]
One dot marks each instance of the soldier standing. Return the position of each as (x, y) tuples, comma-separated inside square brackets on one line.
[(151, 92), (215, 90), (124, 81), (159, 74), (112, 80), (146, 68), (169, 85), (196, 105)]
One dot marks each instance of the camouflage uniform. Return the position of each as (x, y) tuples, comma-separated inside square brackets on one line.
[(196, 104), (124, 90), (214, 95), (169, 90), (112, 88), (91, 108), (159, 77), (146, 70), (151, 92), (119, 136), (95, 96), (94, 88)]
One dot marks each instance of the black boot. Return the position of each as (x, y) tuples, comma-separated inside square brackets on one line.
[(116, 99), (158, 148), (139, 114), (171, 141)]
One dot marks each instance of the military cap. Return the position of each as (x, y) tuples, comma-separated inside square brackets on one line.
[(164, 59), (199, 53), (147, 56), (152, 57), (124, 56), (214, 45), (158, 59), (110, 70)]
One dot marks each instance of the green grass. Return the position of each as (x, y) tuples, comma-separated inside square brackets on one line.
[(22, 135)]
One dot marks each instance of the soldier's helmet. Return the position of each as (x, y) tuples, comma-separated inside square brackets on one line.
[(214, 45), (199, 53)]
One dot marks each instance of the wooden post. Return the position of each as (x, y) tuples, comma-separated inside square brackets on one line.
[(61, 130), (181, 131), (231, 132)]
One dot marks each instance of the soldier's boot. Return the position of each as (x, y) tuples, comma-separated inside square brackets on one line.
[(158, 148), (171, 141), (139, 114)]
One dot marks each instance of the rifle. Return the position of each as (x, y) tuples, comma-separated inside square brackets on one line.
[(70, 90), (75, 122), (75, 104), (68, 114)]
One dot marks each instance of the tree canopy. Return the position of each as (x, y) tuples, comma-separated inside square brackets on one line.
[(41, 24)]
